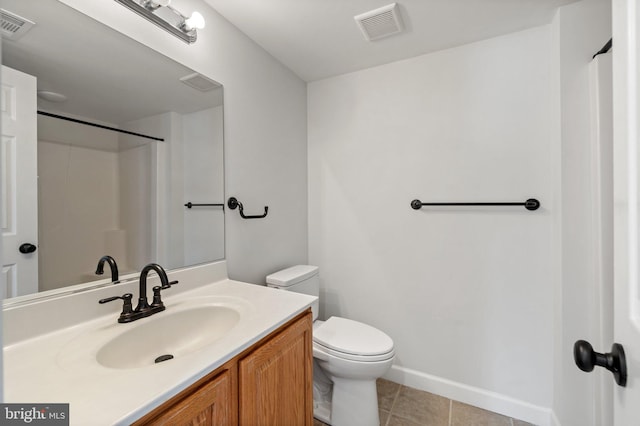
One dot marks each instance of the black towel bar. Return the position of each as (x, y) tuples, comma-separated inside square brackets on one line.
[(530, 204), (190, 204)]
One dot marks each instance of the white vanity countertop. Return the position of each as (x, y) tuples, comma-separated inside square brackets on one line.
[(55, 368)]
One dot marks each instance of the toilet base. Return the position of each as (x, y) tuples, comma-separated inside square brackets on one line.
[(322, 411), (354, 403)]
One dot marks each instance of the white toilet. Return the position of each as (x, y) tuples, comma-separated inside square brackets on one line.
[(348, 357)]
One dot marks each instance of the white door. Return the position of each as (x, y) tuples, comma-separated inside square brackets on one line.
[(601, 265), (18, 174), (626, 136)]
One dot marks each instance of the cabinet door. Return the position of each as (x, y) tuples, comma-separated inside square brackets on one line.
[(209, 405), (275, 380)]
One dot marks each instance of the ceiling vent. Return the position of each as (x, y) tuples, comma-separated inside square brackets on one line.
[(200, 82), (380, 23), (13, 26)]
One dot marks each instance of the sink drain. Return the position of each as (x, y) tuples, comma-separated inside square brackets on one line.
[(163, 358)]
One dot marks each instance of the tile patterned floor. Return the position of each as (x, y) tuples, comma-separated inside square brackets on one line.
[(404, 406)]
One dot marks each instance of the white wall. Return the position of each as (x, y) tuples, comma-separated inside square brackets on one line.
[(265, 133), (582, 29), (466, 293)]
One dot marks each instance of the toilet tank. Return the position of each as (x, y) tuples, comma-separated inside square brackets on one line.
[(300, 279)]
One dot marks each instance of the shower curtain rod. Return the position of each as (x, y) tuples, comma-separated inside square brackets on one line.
[(87, 123), (604, 49)]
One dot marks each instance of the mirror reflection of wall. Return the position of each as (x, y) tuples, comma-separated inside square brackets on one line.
[(101, 192), (203, 164), (96, 192), (79, 191)]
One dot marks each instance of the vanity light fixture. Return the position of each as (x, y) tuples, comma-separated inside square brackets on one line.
[(153, 5), (161, 13)]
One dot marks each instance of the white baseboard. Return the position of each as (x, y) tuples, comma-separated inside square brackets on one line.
[(477, 397)]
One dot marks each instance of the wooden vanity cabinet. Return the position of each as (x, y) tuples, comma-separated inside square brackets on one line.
[(211, 403), (276, 379), (268, 384)]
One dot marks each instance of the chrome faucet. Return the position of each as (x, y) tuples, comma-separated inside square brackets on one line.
[(112, 265), (144, 309)]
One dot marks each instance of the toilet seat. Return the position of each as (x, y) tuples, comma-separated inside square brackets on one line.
[(321, 352), (352, 340)]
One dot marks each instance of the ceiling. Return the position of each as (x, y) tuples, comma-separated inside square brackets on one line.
[(319, 38)]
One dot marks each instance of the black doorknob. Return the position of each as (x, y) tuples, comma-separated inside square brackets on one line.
[(27, 248), (586, 359)]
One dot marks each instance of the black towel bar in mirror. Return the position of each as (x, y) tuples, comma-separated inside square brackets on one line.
[(190, 204), (233, 203), (530, 204)]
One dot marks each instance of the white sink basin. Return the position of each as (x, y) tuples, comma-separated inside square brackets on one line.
[(186, 327), (168, 335)]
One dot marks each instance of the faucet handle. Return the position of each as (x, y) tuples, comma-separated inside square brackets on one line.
[(126, 297), (166, 286), (157, 299), (127, 309)]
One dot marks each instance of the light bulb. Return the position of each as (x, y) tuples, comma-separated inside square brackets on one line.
[(196, 21)]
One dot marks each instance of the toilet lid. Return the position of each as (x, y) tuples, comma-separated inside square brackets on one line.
[(352, 337)]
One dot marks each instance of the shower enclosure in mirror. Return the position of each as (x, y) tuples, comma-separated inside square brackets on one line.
[(76, 190)]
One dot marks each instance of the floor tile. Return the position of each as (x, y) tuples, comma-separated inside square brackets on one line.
[(404, 406), (399, 421), (467, 415), (387, 392), (521, 423), (384, 417), (421, 407)]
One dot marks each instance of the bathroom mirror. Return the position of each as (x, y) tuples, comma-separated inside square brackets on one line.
[(100, 191)]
